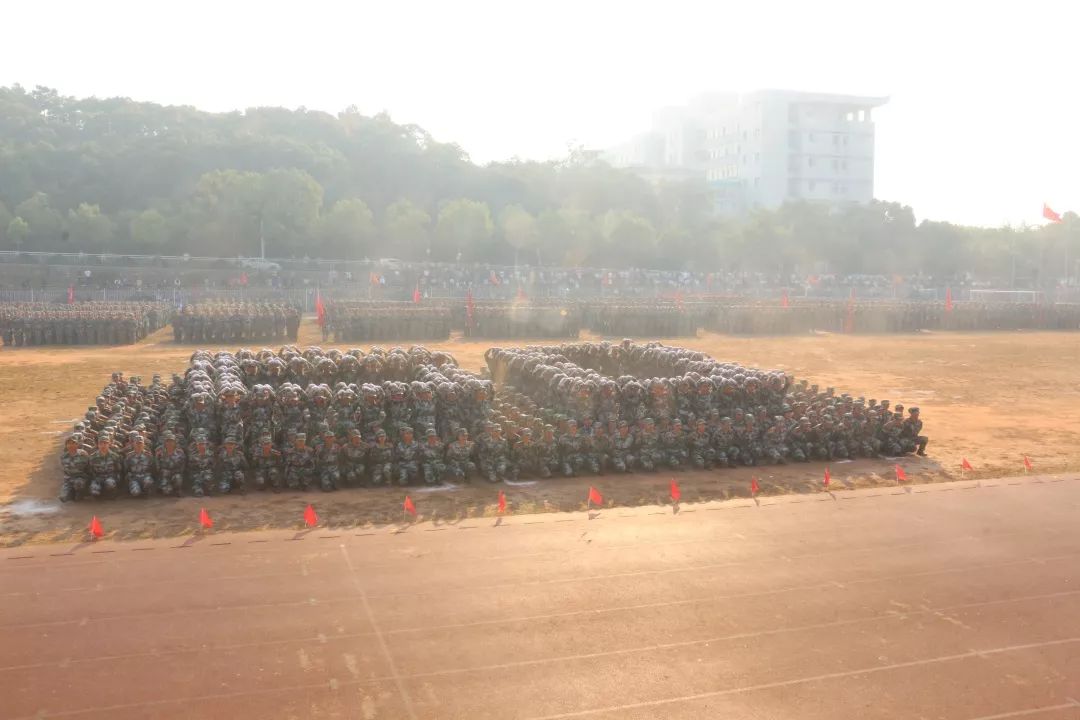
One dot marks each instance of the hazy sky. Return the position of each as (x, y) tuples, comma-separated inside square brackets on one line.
[(981, 126)]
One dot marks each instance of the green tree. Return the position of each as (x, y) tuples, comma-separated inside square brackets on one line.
[(462, 228), (520, 231), (46, 224), (406, 230), (347, 230), (149, 232), (89, 230), (17, 233)]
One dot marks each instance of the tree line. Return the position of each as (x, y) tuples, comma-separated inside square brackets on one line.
[(118, 176)]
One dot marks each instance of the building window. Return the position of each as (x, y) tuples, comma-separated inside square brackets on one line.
[(810, 162)]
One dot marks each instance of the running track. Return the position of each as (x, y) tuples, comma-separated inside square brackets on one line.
[(951, 602)]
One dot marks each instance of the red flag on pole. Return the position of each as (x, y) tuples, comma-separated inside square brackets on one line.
[(595, 498), (71, 295), (754, 487), (521, 294), (409, 507), (965, 465), (948, 299), (827, 478), (320, 310), (1027, 463), (784, 299), (676, 493), (1050, 214), (311, 519), (502, 501), (900, 475), (204, 519), (494, 279), (95, 528), (416, 294)]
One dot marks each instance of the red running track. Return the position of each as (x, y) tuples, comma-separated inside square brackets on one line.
[(952, 602)]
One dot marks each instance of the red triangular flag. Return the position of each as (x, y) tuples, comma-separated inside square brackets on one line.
[(409, 507), (754, 487), (1027, 463), (784, 300), (204, 519), (948, 300), (502, 501), (71, 294), (676, 493), (1050, 214), (310, 518), (416, 294), (900, 476), (965, 465), (95, 528), (827, 477), (595, 497), (320, 310)]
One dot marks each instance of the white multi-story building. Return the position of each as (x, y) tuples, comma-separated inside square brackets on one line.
[(763, 148)]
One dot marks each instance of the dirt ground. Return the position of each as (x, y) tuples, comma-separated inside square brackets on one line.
[(991, 398)]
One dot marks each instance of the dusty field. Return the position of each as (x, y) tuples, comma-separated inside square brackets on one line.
[(990, 398)]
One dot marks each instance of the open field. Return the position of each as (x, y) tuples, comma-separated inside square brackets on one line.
[(947, 601), (988, 397)]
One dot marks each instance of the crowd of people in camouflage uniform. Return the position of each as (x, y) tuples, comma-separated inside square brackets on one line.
[(287, 419), (655, 318), (629, 406), (519, 320), (385, 322), (313, 418), (84, 323), (742, 317), (235, 322)]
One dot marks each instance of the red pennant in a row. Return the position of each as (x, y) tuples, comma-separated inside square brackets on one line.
[(754, 487), (595, 498), (95, 528), (900, 475), (311, 519), (502, 501), (675, 492), (204, 519), (827, 478), (1027, 463), (965, 465), (409, 507)]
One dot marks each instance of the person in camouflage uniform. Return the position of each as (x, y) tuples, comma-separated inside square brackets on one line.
[(407, 457), (76, 465), (201, 466), (602, 448), (459, 464), (623, 458), (701, 446), (432, 457), (327, 461), (911, 438), (232, 467), (526, 456), (266, 461), (354, 458), (381, 458), (494, 455), (673, 445), (648, 445), (572, 447), (772, 445), (104, 469), (299, 464), (139, 468)]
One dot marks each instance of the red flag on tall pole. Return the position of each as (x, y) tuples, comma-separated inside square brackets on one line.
[(595, 498), (900, 475), (311, 519), (828, 478), (409, 507), (95, 528), (71, 295), (416, 293), (965, 465), (204, 519), (502, 501), (754, 487), (676, 493), (784, 299), (1050, 214), (1027, 463), (948, 299), (320, 310)]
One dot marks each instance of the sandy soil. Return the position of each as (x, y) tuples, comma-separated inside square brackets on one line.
[(988, 397)]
